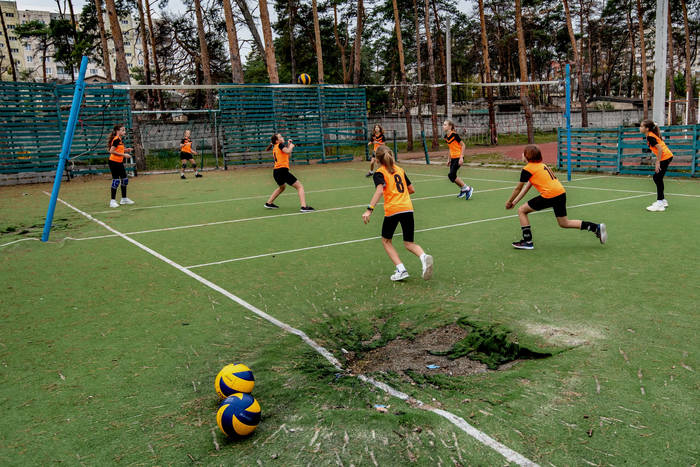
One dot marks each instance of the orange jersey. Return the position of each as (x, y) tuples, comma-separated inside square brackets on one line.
[(655, 144), (454, 142), (543, 179), (118, 144), (186, 145), (281, 157), (396, 197), (377, 141)]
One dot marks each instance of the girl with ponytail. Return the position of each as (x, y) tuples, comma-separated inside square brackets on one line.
[(664, 156)]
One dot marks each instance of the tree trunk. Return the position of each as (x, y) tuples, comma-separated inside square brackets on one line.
[(103, 41), (317, 36), (204, 51), (9, 48), (341, 47), (431, 72), (688, 62), (440, 45), (269, 44), (43, 62), (290, 30), (633, 48), (493, 131), (357, 48), (579, 67), (404, 84), (236, 66), (121, 70), (159, 95), (671, 85), (144, 46), (522, 58), (419, 91), (252, 27), (645, 85)]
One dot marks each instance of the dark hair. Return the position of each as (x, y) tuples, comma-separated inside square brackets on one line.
[(651, 126), (381, 130), (114, 132), (273, 141), (385, 157), (532, 154)]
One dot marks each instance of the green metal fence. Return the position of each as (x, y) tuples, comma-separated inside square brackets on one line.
[(33, 117), (625, 151), (324, 122)]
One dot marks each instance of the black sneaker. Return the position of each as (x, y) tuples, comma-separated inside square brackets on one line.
[(602, 233), (198, 175), (523, 245), (369, 174), (183, 177), (307, 209), (271, 206)]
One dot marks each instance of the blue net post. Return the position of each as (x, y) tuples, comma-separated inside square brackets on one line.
[(425, 147), (396, 147), (65, 149), (568, 122)]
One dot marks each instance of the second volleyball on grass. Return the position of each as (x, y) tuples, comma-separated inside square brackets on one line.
[(233, 378)]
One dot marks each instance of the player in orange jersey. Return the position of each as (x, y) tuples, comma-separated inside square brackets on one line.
[(456, 159), (552, 195), (392, 183), (280, 172), (117, 153), (376, 140), (187, 153), (664, 156)]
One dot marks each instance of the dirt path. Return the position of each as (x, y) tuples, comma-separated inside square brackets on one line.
[(549, 152)]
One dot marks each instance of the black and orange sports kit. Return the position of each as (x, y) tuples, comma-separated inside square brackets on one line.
[(454, 143), (377, 141), (116, 167), (398, 208), (280, 172), (664, 156), (186, 149)]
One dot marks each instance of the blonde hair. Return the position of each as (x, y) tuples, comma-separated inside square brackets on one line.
[(386, 158), (451, 124)]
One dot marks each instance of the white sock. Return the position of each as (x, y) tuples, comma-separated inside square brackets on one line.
[(422, 257), (400, 267), (464, 188)]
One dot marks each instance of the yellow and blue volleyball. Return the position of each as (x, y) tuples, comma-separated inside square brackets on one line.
[(234, 378), (304, 79), (238, 415)]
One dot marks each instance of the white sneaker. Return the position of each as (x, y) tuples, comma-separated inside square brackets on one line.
[(665, 203), (427, 267), (113, 203), (399, 275), (656, 206), (126, 201)]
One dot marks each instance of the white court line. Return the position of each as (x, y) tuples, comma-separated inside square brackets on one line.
[(17, 241), (244, 198), (275, 216), (441, 227), (509, 454)]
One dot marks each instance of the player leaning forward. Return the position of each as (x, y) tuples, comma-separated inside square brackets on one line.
[(552, 195), (392, 183)]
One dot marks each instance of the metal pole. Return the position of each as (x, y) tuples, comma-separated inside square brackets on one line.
[(568, 122), (448, 64), (65, 149), (425, 147), (660, 52), (396, 147)]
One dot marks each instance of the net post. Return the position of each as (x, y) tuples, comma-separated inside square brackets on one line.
[(568, 122), (396, 147), (65, 149), (425, 147), (448, 65)]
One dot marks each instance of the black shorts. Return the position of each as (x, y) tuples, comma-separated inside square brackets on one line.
[(407, 226), (186, 156), (558, 203), (117, 168), (454, 167), (283, 175)]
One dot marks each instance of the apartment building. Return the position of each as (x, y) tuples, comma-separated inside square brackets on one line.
[(28, 53)]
